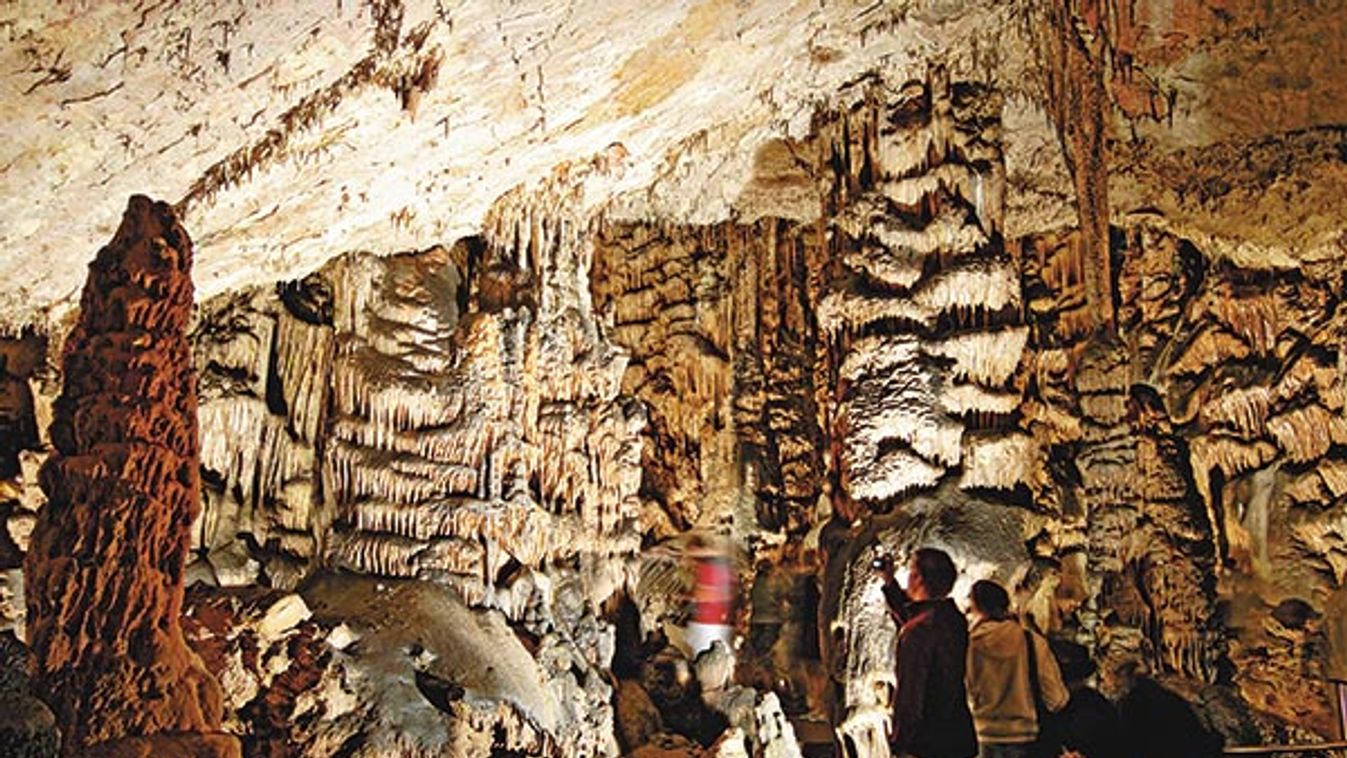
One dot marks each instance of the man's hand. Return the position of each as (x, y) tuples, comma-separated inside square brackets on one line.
[(883, 565)]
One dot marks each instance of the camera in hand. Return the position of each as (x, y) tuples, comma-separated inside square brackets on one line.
[(882, 562)]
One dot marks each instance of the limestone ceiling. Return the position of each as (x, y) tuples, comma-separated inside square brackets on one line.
[(289, 132)]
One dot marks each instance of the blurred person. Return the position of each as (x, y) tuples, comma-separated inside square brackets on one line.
[(1011, 676), (930, 708), (712, 599)]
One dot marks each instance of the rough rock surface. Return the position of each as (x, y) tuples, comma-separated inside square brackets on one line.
[(398, 668), (104, 573), (27, 725)]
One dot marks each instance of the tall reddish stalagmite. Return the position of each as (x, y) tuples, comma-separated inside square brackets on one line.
[(105, 569)]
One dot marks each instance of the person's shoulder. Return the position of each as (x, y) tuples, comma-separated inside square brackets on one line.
[(937, 616), (922, 616)]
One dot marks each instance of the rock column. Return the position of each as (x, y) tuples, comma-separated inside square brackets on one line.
[(104, 573)]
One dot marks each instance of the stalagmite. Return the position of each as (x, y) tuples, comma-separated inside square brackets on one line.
[(104, 576)]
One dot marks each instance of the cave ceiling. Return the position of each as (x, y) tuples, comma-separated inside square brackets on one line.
[(286, 133)]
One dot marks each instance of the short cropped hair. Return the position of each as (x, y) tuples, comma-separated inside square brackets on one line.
[(936, 569), (991, 599)]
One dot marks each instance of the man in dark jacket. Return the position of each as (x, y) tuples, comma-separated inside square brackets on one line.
[(930, 711)]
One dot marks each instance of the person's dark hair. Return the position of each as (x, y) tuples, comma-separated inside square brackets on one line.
[(936, 569), (991, 599)]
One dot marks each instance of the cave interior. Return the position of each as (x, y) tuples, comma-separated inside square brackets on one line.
[(436, 346)]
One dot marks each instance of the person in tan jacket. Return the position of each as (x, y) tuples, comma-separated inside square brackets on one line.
[(1000, 692)]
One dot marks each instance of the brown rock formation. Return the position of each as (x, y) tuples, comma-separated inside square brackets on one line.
[(720, 325), (104, 573)]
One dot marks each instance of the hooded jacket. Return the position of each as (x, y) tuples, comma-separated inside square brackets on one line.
[(999, 690)]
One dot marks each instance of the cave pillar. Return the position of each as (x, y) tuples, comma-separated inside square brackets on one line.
[(104, 573)]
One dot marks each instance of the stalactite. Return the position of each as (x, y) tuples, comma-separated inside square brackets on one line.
[(1252, 318), (1208, 348), (1003, 463), (1305, 434), (1078, 103), (989, 285), (385, 555), (1245, 410), (1228, 455), (968, 399), (988, 358), (230, 431), (303, 363)]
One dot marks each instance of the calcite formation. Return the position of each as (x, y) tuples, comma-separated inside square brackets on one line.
[(105, 567), (919, 189), (719, 322), (504, 303), (442, 415)]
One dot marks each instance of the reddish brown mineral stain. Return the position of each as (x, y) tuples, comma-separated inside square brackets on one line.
[(105, 568)]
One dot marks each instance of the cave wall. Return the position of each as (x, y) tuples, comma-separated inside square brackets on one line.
[(893, 369), (894, 363), (446, 415), (1162, 492), (449, 416)]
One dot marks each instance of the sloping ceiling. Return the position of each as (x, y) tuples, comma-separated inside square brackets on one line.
[(289, 132)]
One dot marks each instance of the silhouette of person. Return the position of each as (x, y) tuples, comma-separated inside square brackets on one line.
[(1158, 722)]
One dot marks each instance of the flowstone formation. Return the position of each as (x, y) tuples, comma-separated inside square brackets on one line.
[(104, 573), (445, 415)]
